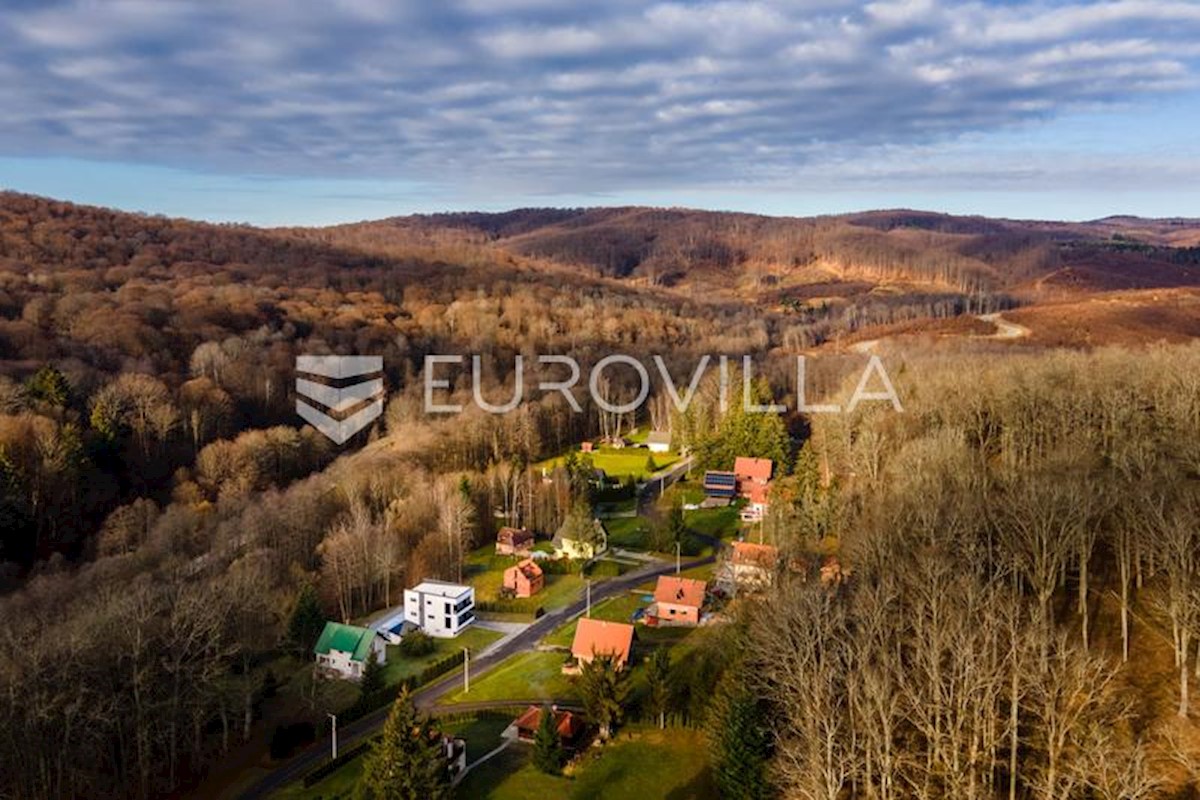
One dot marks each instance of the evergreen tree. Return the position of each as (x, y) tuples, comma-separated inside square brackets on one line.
[(658, 680), (604, 690), (407, 762), (372, 678), (50, 386), (307, 620), (547, 744), (739, 742), (675, 522), (741, 433)]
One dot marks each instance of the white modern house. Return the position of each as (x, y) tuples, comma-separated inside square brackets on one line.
[(439, 608)]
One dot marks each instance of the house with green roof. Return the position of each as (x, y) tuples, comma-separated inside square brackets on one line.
[(345, 649)]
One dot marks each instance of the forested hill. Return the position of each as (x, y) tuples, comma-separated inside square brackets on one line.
[(747, 252)]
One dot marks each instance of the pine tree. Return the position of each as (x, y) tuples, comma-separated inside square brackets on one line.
[(407, 762), (604, 690), (547, 744), (739, 742), (372, 678), (307, 620), (658, 680)]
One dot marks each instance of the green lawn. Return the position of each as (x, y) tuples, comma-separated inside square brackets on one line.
[(399, 667), (631, 533), (722, 523), (485, 571), (511, 776), (526, 676), (614, 609), (640, 763), (619, 464)]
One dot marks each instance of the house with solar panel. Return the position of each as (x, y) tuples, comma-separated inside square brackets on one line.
[(345, 649), (720, 488)]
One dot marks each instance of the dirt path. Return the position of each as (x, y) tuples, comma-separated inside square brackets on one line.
[(1004, 328)]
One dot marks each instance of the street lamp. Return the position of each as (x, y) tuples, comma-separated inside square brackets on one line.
[(466, 670), (333, 719)]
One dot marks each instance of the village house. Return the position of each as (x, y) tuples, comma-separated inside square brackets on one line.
[(677, 601), (659, 441), (439, 608), (567, 546), (524, 579), (597, 637), (571, 727), (751, 471), (344, 650), (751, 566), (514, 542), (756, 502)]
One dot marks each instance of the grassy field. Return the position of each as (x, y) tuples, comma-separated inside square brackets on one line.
[(723, 523), (614, 609), (526, 676), (485, 571), (399, 667), (619, 464), (631, 533), (640, 763)]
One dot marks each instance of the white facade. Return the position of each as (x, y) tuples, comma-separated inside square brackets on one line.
[(344, 663), (440, 609)]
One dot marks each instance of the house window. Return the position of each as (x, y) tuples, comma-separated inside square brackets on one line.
[(447, 625)]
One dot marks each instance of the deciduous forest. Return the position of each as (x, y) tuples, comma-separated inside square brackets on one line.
[(1020, 613)]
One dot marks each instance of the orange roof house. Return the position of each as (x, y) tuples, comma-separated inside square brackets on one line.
[(570, 727), (677, 601), (513, 541), (524, 579), (597, 637), (753, 470)]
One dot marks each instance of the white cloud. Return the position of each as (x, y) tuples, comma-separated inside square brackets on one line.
[(542, 96)]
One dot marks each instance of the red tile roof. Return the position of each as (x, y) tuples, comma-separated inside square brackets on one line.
[(758, 555), (530, 569), (679, 591), (597, 637), (757, 492), (753, 469), (570, 726)]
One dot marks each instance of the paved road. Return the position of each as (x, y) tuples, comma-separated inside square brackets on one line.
[(426, 697)]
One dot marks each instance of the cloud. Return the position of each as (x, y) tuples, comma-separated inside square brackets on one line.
[(534, 96)]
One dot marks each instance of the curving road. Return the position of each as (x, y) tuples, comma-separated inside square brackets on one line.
[(427, 696)]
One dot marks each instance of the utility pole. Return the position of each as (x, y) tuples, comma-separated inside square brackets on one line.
[(589, 597), (678, 565), (333, 719), (466, 670)]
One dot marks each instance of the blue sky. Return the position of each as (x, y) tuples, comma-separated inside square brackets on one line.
[(285, 113)]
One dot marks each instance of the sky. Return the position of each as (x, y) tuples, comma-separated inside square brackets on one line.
[(274, 112)]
